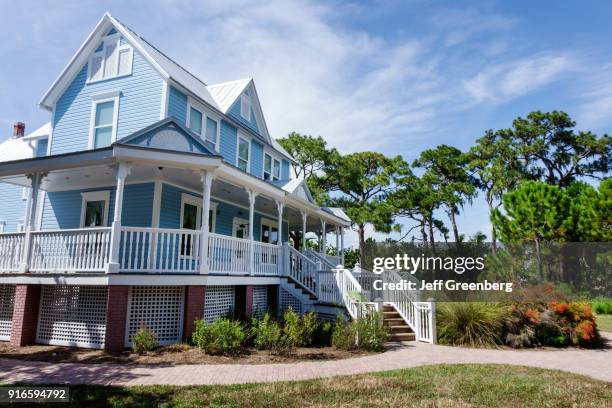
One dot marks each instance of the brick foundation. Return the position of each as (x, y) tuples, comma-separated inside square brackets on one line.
[(25, 315), (116, 314), (194, 308)]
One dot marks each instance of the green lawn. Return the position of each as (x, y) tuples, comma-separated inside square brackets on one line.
[(441, 385), (604, 322)]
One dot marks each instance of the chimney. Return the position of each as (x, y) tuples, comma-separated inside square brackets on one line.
[(18, 130)]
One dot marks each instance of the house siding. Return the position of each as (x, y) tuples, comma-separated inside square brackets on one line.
[(177, 105), (285, 170), (63, 209), (228, 142), (139, 105), (13, 206), (234, 112), (257, 150)]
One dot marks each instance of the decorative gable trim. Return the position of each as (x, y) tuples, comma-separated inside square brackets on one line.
[(168, 134), (81, 57)]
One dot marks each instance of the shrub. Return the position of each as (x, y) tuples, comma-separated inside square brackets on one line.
[(144, 340), (472, 324), (297, 331), (267, 333), (602, 306), (322, 336), (368, 333), (223, 336)]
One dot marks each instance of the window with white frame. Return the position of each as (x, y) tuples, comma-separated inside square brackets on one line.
[(245, 107), (94, 209), (269, 231), (276, 170), (104, 112), (112, 59), (211, 130), (195, 120), (267, 172), (244, 154)]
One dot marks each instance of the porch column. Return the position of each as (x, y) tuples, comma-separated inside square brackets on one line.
[(323, 238), (304, 217), (207, 178), (252, 196), (280, 206), (123, 170), (29, 220), (342, 245), (338, 242)]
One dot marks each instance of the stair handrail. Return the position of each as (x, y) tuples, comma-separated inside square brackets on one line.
[(302, 270), (350, 291), (318, 258)]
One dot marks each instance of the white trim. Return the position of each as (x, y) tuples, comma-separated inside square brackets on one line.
[(280, 170), (51, 131), (263, 171), (170, 279), (236, 221), (157, 197), (2, 226), (95, 101), (116, 38), (248, 140), (165, 96), (95, 196), (106, 95), (196, 201)]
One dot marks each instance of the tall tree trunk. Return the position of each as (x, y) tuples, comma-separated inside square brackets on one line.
[(539, 259), (493, 232), (451, 215), (431, 237), (423, 234), (361, 233)]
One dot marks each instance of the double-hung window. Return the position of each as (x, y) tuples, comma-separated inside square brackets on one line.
[(267, 173), (202, 125), (112, 59), (104, 111), (94, 209), (244, 153), (276, 170)]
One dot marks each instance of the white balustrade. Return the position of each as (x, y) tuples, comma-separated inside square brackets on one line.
[(228, 255), (328, 291), (267, 259), (11, 249), (70, 250), (302, 270), (159, 250)]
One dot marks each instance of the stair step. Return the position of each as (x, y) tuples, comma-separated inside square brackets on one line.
[(402, 337), (400, 329), (393, 319)]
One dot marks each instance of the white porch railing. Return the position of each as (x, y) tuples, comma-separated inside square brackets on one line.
[(327, 288), (72, 250), (228, 255), (267, 259), (159, 249), (350, 291), (302, 270), (11, 250), (326, 262)]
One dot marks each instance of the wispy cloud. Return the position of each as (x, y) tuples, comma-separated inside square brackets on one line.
[(508, 80)]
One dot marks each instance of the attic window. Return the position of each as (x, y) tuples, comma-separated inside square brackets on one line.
[(245, 107), (113, 58)]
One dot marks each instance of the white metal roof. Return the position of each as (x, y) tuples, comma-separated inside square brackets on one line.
[(22, 147), (226, 93)]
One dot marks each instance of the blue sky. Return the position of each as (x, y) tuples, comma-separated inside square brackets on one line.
[(393, 76)]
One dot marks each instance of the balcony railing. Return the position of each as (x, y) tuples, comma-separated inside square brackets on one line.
[(140, 250)]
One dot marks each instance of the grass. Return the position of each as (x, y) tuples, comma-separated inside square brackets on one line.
[(436, 385), (604, 322)]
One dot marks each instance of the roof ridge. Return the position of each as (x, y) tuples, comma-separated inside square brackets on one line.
[(160, 51), (248, 79)]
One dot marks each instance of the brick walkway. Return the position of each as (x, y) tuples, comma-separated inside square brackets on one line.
[(593, 363)]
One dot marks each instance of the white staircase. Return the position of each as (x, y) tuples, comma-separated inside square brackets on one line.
[(330, 290)]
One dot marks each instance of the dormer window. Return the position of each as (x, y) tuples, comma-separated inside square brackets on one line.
[(245, 107), (113, 58), (276, 170)]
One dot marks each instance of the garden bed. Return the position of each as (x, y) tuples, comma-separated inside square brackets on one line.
[(170, 355)]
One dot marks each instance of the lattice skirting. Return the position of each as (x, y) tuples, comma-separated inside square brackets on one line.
[(7, 302), (260, 301), (218, 302), (160, 309), (72, 316), (287, 299)]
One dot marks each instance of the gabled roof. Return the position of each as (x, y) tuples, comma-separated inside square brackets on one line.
[(41, 132), (168, 134), (166, 67), (338, 212), (297, 187), (226, 93)]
